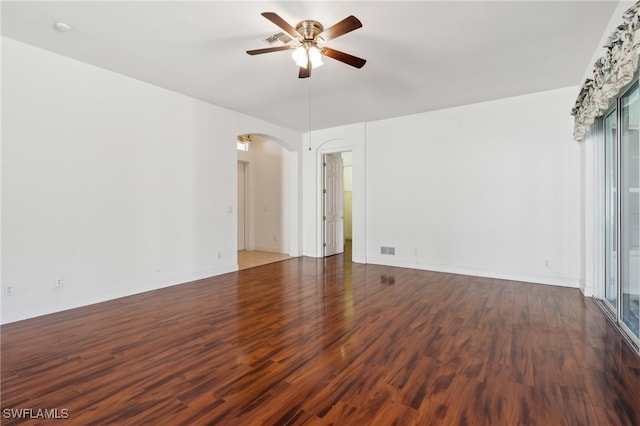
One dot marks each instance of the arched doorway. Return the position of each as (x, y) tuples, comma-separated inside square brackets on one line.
[(267, 201)]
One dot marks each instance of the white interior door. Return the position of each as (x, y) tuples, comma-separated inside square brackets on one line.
[(333, 205), (241, 206)]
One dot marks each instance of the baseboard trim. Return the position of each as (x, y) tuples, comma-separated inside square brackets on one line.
[(534, 279), (72, 303)]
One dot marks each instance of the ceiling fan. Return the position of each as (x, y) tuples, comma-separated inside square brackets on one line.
[(310, 37)]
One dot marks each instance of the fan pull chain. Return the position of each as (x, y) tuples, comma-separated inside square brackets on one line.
[(309, 110)]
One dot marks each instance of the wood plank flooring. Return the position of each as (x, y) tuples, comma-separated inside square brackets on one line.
[(323, 341)]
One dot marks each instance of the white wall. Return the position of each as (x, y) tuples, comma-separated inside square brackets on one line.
[(490, 189), (110, 184), (269, 194)]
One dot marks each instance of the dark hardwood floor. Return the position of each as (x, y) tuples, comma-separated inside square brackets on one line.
[(313, 341)]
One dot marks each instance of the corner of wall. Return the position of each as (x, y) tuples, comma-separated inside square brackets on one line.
[(587, 291)]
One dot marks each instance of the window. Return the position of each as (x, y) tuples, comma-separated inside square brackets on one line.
[(629, 217), (611, 209), (621, 293)]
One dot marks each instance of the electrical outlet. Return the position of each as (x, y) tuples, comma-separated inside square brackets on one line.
[(58, 283), (9, 290)]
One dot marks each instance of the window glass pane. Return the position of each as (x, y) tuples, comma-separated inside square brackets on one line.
[(630, 212), (611, 209)]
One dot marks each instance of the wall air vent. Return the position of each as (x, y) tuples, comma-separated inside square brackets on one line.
[(388, 250)]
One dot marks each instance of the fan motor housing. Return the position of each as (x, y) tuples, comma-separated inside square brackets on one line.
[(309, 29)]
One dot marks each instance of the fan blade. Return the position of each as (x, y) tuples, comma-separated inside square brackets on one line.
[(276, 19), (354, 61), (269, 50), (347, 25)]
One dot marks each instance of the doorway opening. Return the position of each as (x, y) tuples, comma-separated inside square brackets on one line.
[(264, 192), (337, 224)]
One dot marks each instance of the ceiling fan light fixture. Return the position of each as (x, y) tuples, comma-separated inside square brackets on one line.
[(311, 36), (315, 56), (302, 55)]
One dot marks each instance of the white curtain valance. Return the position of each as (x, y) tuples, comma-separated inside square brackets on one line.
[(610, 74)]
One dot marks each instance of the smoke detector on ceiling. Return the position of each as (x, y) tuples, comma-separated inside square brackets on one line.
[(62, 27)]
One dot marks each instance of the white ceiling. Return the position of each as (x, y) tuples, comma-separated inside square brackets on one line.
[(421, 55)]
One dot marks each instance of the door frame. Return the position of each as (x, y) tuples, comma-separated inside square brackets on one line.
[(246, 224), (320, 230), (350, 139)]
